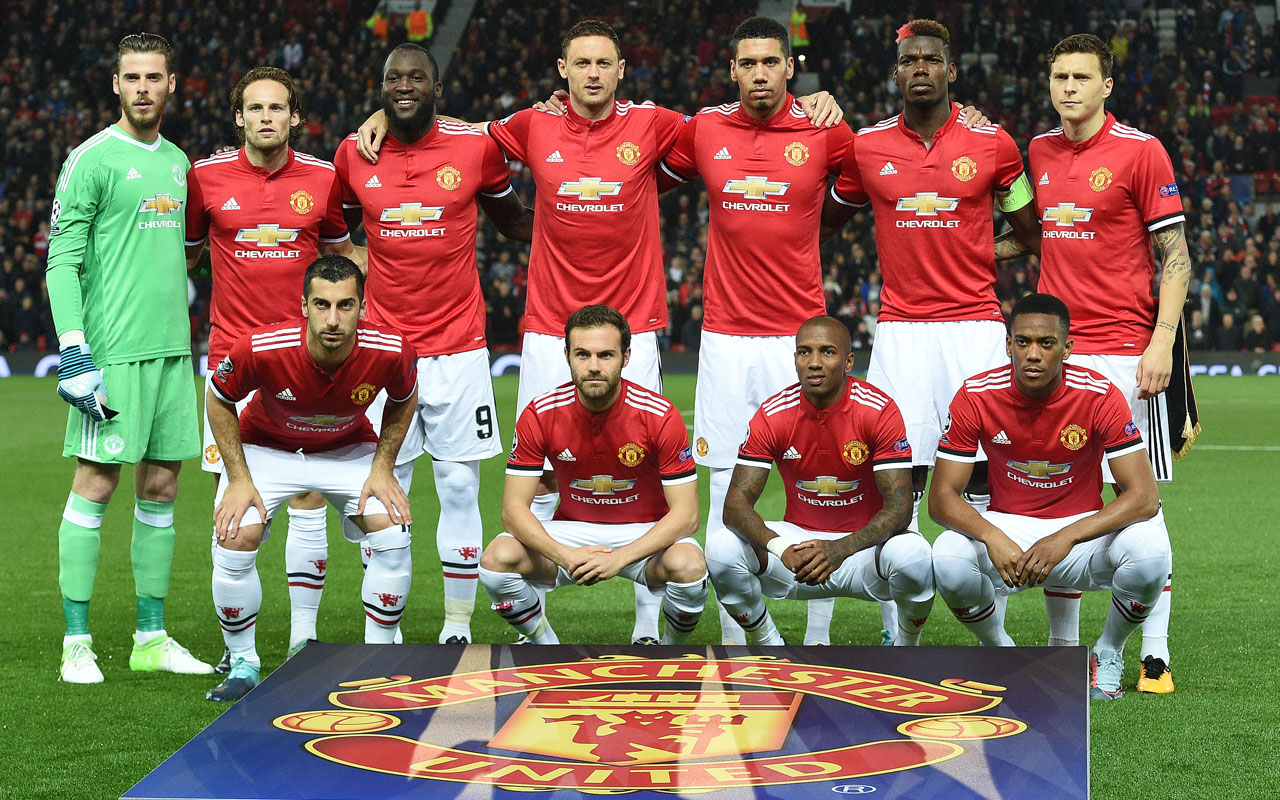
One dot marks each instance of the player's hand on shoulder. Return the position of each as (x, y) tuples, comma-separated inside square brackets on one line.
[(971, 117), (226, 148), (239, 498), (555, 104), (383, 485), (370, 135), (80, 382), (822, 109), (1004, 555), (1035, 565)]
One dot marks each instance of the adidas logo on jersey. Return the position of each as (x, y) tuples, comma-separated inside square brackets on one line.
[(888, 169), (373, 183), (565, 455), (133, 174), (285, 395), (1044, 180), (1000, 438), (231, 205), (555, 158), (722, 155), (791, 453)]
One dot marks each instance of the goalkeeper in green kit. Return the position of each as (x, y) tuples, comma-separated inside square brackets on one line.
[(117, 283)]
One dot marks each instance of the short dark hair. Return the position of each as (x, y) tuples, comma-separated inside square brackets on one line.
[(926, 27), (145, 43), (1041, 304), (590, 27), (761, 28), (334, 269), (267, 74), (599, 316), (843, 339), (414, 48), (1085, 43)]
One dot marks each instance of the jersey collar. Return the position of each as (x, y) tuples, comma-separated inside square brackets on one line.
[(393, 143), (780, 115), (1107, 124), (118, 132), (952, 120), (577, 122), (813, 412), (243, 158)]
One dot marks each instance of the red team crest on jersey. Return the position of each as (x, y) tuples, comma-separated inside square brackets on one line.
[(1073, 437), (211, 454), (449, 178), (796, 154), (363, 393), (856, 452), (964, 168), (629, 154), (1100, 179), (302, 201), (631, 454)]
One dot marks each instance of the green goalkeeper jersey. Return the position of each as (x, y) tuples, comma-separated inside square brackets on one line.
[(117, 267)]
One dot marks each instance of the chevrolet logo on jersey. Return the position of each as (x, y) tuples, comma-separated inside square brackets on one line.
[(267, 235), (827, 486), (1066, 215), (927, 204), (1040, 473), (590, 188), (411, 214), (160, 204), (602, 484), (321, 421), (756, 187)]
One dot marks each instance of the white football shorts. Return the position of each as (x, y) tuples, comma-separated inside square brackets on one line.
[(543, 366), (583, 534), (735, 375), (1150, 415)]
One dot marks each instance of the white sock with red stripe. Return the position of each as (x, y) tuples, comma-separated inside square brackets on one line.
[(386, 582), (683, 608), (237, 598), (818, 620), (518, 603), (1063, 607), (647, 604), (306, 556), (459, 540), (1141, 557)]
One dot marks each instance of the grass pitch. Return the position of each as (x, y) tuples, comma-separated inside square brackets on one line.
[(1216, 737)]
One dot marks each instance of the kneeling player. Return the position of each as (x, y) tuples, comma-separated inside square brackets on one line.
[(306, 429), (629, 492), (842, 451), (1046, 426)]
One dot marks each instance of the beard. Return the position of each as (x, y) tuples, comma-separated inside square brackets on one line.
[(144, 120), (418, 121)]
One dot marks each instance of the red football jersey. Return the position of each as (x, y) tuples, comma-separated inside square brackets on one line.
[(1046, 455), (595, 222), (1099, 202), (766, 180), (611, 466), (300, 406), (264, 230), (827, 457), (419, 210), (933, 210)]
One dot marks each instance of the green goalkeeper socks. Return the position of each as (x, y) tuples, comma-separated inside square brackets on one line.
[(151, 552), (79, 539)]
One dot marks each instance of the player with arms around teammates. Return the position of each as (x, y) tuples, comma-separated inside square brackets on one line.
[(306, 429), (418, 208), (118, 288), (266, 212), (1047, 426), (845, 464), (630, 493), (1105, 193)]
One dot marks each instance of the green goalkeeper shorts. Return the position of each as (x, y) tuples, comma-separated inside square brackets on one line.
[(156, 420)]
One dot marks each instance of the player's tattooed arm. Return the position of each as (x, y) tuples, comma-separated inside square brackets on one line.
[(1156, 364), (1023, 237), (821, 557), (1009, 246), (509, 215), (740, 515)]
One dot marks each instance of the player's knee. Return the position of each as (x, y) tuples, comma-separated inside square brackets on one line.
[(955, 564), (95, 482), (503, 554), (457, 482), (390, 546), (724, 550), (908, 561), (307, 501), (683, 563), (1143, 555)]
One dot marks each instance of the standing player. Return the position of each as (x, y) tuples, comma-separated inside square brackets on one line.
[(267, 212), (418, 208), (931, 182), (630, 504), (306, 430), (846, 465), (765, 169), (1105, 192), (119, 295), (1047, 427), (593, 167)]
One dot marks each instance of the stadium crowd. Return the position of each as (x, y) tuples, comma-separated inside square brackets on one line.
[(1223, 141)]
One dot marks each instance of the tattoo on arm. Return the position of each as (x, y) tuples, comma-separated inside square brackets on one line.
[(740, 515), (1009, 246), (1172, 243), (893, 517)]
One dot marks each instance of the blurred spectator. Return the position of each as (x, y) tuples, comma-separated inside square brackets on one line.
[(691, 331), (1198, 337), (1228, 338), (1258, 339)]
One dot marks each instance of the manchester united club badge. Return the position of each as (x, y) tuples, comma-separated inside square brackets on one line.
[(855, 452), (629, 154), (302, 201), (964, 169), (631, 454), (449, 178), (1073, 437), (363, 393), (795, 154), (1100, 179)]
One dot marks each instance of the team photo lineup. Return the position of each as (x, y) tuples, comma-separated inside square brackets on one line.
[(335, 367)]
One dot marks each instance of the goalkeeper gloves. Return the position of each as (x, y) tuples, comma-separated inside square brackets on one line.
[(80, 382)]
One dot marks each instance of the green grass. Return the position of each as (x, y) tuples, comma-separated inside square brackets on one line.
[(1216, 737)]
